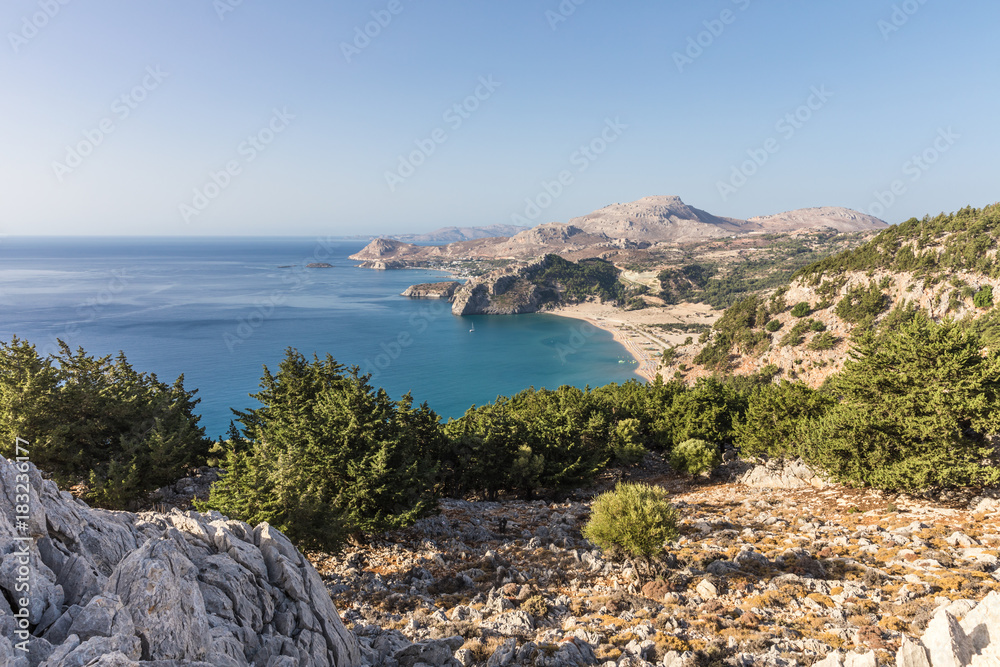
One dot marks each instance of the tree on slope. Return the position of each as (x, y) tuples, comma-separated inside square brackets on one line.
[(99, 422), (328, 456), (916, 406)]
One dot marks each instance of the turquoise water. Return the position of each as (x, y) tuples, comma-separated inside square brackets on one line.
[(218, 309)]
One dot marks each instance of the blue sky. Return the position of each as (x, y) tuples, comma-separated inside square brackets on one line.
[(254, 117)]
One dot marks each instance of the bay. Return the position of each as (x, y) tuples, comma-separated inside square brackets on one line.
[(218, 309)]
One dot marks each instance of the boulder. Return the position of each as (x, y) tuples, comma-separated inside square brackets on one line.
[(782, 475)]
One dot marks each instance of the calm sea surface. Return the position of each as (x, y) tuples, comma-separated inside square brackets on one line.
[(219, 309)]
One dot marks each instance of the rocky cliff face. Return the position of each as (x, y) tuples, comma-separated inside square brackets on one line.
[(115, 588), (507, 291), (443, 290)]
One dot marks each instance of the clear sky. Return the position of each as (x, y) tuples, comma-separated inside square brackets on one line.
[(257, 117)]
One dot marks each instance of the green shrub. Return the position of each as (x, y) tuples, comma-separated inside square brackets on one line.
[(915, 408), (777, 418), (984, 297), (635, 518), (816, 325), (695, 456), (861, 302), (99, 422), (626, 442), (773, 325), (801, 309), (796, 335), (823, 341), (328, 456)]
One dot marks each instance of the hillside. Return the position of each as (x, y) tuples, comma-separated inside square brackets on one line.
[(945, 266), (825, 217)]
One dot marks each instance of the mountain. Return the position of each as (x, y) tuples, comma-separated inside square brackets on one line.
[(944, 266), (456, 234), (823, 217), (658, 219)]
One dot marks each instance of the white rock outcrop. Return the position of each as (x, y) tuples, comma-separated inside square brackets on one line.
[(973, 641), (116, 588), (778, 474)]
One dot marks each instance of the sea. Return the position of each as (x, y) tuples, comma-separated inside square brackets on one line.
[(218, 310)]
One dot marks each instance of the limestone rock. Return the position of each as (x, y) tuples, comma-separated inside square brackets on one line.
[(707, 589), (782, 475), (946, 642), (982, 624), (114, 588), (912, 654)]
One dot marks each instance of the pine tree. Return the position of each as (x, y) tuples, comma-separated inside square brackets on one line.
[(915, 406), (328, 456)]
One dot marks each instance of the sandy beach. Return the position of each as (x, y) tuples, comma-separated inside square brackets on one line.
[(639, 331)]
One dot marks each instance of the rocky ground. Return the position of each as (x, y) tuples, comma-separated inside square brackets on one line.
[(770, 576)]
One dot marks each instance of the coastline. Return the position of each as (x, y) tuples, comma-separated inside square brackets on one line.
[(633, 329)]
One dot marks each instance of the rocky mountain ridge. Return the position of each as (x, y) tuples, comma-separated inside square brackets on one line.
[(611, 231), (456, 234)]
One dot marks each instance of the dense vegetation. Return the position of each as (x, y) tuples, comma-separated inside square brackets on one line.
[(933, 247), (575, 281), (98, 422), (914, 407), (328, 456)]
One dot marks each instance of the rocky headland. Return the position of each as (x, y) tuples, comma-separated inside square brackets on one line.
[(442, 290)]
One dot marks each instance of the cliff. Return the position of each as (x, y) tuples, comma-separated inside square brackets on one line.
[(443, 290), (507, 291)]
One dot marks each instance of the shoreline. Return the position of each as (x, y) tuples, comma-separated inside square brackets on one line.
[(646, 365), (637, 330)]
